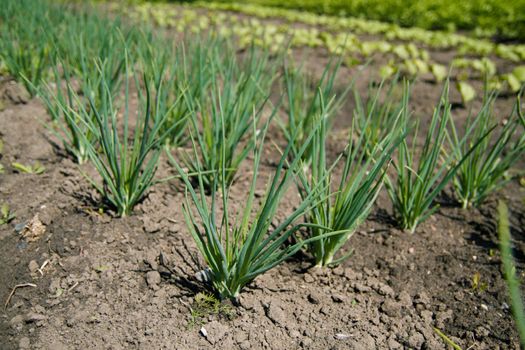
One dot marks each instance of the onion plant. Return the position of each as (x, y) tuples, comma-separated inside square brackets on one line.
[(111, 61), (303, 102), (25, 45), (88, 37), (75, 133), (86, 40), (520, 112), (188, 70), (221, 122), (238, 249), (343, 208), (84, 46), (485, 169), (377, 116), (509, 270), (418, 181), (125, 156)]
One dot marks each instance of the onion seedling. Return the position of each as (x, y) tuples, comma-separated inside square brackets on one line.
[(509, 270), (66, 124), (126, 160), (304, 103), (25, 61), (485, 169), (238, 250), (74, 133), (189, 70), (378, 117), (85, 38), (417, 183), (344, 208), (221, 121), (25, 44)]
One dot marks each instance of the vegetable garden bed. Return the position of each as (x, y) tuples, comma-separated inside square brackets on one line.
[(96, 253)]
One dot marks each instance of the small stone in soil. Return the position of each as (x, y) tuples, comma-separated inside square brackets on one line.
[(34, 317), (458, 295), (359, 287), (393, 344), (422, 298), (338, 298), (391, 308), (314, 298), (151, 260), (306, 342), (385, 290), (338, 271), (245, 345), (405, 299), (153, 278), (416, 340), (16, 321), (215, 331), (481, 332), (309, 278), (276, 314), (24, 343), (33, 266)]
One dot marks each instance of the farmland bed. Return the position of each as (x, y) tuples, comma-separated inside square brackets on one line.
[(101, 282)]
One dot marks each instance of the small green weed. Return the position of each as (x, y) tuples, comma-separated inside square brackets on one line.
[(37, 168), (205, 305), (6, 215), (478, 285)]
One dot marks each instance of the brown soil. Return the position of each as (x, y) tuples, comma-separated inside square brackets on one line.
[(129, 283)]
